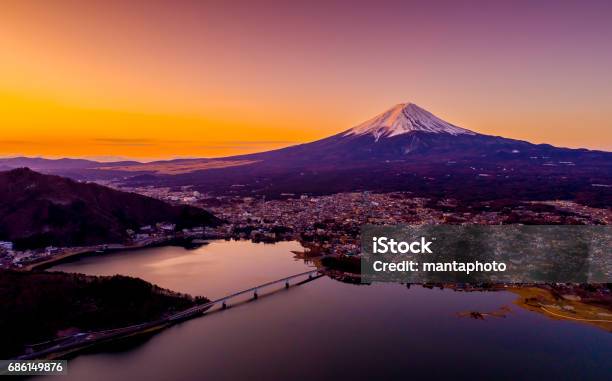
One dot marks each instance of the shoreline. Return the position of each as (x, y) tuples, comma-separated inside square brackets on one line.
[(97, 249), (149, 327)]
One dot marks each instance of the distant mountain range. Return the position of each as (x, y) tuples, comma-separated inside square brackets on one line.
[(405, 148), (39, 210)]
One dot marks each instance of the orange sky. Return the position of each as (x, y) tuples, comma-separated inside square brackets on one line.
[(153, 80)]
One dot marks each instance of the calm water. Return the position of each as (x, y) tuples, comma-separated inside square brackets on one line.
[(331, 330)]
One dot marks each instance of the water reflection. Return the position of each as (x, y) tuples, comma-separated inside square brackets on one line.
[(331, 330), (213, 270)]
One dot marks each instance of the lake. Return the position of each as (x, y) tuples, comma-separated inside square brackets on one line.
[(330, 330)]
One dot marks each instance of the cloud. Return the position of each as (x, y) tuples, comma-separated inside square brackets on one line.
[(243, 144), (259, 142), (124, 142), (19, 142), (108, 158)]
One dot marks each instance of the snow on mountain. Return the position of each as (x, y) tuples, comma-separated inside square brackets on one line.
[(405, 118)]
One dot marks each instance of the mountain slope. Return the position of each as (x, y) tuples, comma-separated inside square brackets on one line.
[(405, 118), (38, 210), (405, 134), (53, 165), (409, 149), (405, 148)]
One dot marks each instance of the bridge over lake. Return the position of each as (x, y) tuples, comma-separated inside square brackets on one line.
[(62, 346)]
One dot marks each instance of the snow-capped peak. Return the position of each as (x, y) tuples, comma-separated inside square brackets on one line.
[(402, 119)]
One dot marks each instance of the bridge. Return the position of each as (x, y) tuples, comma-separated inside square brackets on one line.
[(199, 309), (62, 346)]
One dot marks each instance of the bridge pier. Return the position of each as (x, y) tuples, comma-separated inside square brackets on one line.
[(255, 294), (309, 276), (223, 305), (286, 284)]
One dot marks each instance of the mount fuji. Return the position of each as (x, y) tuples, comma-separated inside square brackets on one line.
[(405, 148), (409, 134), (405, 118)]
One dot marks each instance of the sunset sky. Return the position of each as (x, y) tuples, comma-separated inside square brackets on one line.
[(148, 79)]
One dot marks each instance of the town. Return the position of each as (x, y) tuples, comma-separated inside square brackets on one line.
[(324, 224)]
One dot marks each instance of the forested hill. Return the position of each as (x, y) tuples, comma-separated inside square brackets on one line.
[(39, 210)]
